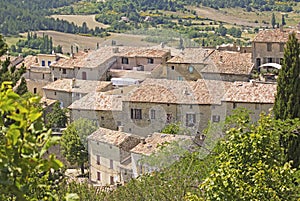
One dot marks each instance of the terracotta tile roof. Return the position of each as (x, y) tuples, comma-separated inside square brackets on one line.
[(201, 92), (95, 58), (112, 137), (179, 92), (145, 52), (153, 142), (28, 62), (191, 56), (81, 86), (250, 92), (98, 101), (69, 62), (274, 35), (229, 63)]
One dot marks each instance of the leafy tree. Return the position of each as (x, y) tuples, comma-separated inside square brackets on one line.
[(74, 141), (8, 72), (283, 20), (57, 117), (22, 87), (273, 20), (287, 100), (252, 165), (24, 173)]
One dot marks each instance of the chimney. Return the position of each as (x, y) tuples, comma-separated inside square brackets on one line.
[(143, 140), (281, 28), (73, 82), (121, 128)]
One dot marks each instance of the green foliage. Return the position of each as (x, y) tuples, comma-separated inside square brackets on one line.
[(287, 100), (22, 87), (24, 174), (57, 117), (74, 141), (173, 128), (273, 20), (252, 164)]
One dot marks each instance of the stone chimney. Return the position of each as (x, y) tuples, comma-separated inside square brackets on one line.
[(143, 140)]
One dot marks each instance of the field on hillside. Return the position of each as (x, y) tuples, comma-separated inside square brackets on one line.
[(79, 19), (239, 16), (85, 42)]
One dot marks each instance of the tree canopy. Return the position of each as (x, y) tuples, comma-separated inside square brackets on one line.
[(24, 173), (74, 141)]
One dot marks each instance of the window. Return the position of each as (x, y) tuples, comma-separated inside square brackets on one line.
[(169, 118), (281, 60), (257, 106), (43, 63), (49, 63), (270, 60), (84, 75), (234, 105), (55, 93), (125, 60), (152, 114), (180, 78), (64, 71), (281, 47), (112, 180), (99, 176), (102, 118), (136, 113), (43, 76), (269, 47), (111, 164), (190, 120), (150, 61), (34, 90), (173, 67), (55, 78), (216, 118), (258, 62), (191, 106), (98, 160)]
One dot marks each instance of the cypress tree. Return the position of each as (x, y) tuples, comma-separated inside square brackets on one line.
[(273, 20), (287, 100)]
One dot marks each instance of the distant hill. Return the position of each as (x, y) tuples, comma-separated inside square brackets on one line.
[(29, 15)]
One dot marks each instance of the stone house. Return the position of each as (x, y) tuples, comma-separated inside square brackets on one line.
[(110, 157), (148, 146), (95, 65), (102, 108), (268, 45), (255, 96), (157, 102), (38, 73), (192, 64), (227, 66), (69, 90)]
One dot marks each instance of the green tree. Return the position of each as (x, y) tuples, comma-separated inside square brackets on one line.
[(22, 87), (283, 20), (252, 165), (287, 100), (24, 172), (273, 20), (74, 141), (57, 117)]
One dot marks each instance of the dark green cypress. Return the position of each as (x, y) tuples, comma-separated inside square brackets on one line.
[(287, 101)]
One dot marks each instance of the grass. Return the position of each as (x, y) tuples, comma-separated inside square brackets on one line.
[(12, 40), (79, 19)]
